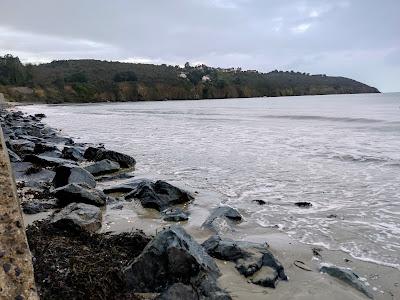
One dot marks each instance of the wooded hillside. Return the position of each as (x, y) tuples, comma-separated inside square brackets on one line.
[(99, 81)]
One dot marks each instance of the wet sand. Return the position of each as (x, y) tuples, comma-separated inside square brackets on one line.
[(383, 281)]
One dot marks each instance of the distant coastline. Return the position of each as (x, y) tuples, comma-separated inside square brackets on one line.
[(84, 81)]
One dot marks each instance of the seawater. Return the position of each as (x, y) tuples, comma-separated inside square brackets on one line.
[(341, 153)]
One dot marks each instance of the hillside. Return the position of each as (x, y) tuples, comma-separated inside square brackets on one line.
[(100, 81)]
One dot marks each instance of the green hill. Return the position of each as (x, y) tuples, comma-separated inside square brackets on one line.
[(99, 81)]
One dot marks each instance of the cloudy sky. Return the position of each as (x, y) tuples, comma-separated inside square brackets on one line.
[(353, 38)]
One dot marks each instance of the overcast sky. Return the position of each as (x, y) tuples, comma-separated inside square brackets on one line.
[(353, 38)]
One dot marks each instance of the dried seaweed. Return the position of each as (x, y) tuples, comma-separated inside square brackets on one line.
[(79, 265)]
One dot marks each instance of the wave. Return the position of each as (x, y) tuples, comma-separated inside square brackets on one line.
[(365, 159), (324, 118)]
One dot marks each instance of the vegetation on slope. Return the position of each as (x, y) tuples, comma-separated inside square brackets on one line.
[(100, 81)]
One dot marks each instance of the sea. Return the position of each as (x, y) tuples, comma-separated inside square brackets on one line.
[(340, 153)]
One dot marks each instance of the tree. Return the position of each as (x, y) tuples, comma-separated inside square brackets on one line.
[(125, 76), (78, 77)]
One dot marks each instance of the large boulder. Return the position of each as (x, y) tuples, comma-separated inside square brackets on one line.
[(174, 257), (252, 260), (22, 147), (98, 154), (221, 218), (158, 195), (73, 153), (123, 188), (47, 161), (76, 193), (28, 172), (67, 174), (79, 217), (44, 147), (102, 167), (348, 277)]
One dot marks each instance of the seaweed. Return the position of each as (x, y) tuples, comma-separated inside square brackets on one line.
[(80, 265)]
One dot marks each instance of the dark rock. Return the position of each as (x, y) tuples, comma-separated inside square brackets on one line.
[(179, 291), (303, 204), (112, 177), (13, 156), (40, 116), (259, 202), (158, 195), (171, 257), (22, 147), (224, 249), (251, 259), (98, 154), (47, 161), (225, 214), (349, 277), (174, 215), (266, 276), (44, 147), (76, 193), (79, 217), (67, 174), (115, 177), (102, 167), (72, 153), (36, 207), (23, 171)]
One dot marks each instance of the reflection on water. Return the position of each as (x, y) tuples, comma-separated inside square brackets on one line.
[(341, 153)]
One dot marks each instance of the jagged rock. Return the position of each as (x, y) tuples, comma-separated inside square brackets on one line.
[(40, 116), (158, 195), (225, 215), (224, 249), (251, 259), (77, 193), (47, 161), (72, 153), (102, 167), (349, 277), (171, 257), (22, 147), (174, 215), (123, 188), (13, 156), (72, 174), (98, 154), (44, 147), (78, 216)]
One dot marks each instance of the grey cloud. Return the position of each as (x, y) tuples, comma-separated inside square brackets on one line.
[(346, 37)]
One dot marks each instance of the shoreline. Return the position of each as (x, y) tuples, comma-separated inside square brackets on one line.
[(287, 251), (17, 104)]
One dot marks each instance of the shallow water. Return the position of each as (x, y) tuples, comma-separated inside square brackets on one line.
[(341, 153)]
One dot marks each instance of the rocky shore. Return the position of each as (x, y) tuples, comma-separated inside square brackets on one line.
[(58, 180)]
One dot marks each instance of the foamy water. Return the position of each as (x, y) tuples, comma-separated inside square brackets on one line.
[(341, 153)]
